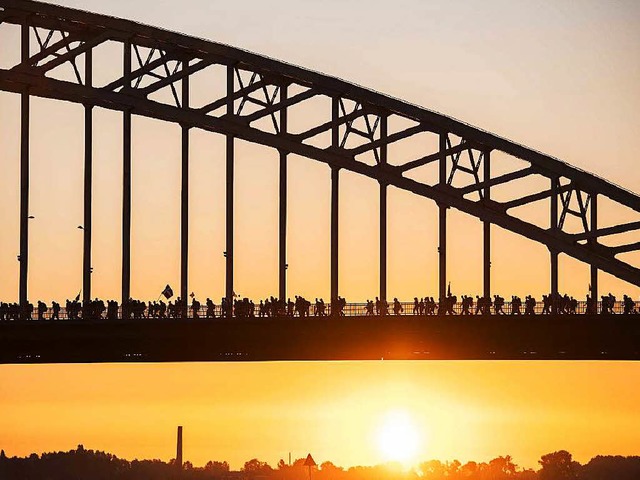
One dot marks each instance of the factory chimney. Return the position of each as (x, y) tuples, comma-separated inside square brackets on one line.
[(179, 449)]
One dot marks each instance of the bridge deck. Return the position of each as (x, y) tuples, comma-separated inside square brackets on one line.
[(584, 337)]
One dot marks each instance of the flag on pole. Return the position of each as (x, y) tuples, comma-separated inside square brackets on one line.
[(167, 292), (590, 291), (449, 290), (78, 297), (234, 295)]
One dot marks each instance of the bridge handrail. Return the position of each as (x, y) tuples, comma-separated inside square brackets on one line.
[(350, 310)]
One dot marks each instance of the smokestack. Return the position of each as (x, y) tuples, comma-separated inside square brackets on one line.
[(179, 449)]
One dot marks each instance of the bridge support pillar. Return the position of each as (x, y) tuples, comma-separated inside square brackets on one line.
[(442, 223), (594, 241), (383, 214), (184, 199), (486, 229), (442, 252), (553, 252), (383, 242), (554, 278), (229, 227), (282, 262), (126, 185), (24, 174), (335, 196), (88, 185), (229, 197), (486, 265)]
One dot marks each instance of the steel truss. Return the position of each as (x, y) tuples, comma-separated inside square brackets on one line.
[(158, 61)]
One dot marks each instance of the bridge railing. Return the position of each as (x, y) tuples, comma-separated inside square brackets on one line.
[(360, 309), (349, 310)]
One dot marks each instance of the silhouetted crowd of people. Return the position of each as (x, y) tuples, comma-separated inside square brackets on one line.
[(301, 307), (240, 308)]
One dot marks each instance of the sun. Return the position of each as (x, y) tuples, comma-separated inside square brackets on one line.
[(398, 437)]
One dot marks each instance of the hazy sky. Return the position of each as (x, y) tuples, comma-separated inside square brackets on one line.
[(560, 76), (238, 411)]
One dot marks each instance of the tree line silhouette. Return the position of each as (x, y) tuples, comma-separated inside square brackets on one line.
[(83, 464)]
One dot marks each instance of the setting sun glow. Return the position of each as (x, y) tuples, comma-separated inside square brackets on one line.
[(398, 438)]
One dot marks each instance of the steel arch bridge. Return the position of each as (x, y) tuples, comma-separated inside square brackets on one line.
[(259, 96)]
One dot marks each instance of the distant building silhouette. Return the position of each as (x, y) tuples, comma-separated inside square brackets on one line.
[(179, 449)]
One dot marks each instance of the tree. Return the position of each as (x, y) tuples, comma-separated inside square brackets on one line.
[(469, 470), (255, 467), (558, 466), (433, 469), (527, 474), (217, 468), (453, 468), (502, 467), (620, 468), (330, 467)]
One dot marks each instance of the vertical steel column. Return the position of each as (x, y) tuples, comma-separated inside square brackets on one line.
[(442, 249), (442, 244), (486, 227), (126, 184), (335, 182), (184, 196), (383, 241), (88, 183), (335, 178), (282, 267), (554, 279), (229, 201), (383, 214), (553, 252), (594, 241), (24, 174)]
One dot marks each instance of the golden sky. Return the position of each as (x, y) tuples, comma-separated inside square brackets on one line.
[(237, 411), (561, 77)]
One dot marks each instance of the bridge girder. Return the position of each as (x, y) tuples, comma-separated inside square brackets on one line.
[(180, 57)]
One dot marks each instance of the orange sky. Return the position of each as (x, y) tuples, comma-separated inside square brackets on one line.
[(234, 412), (560, 77)]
